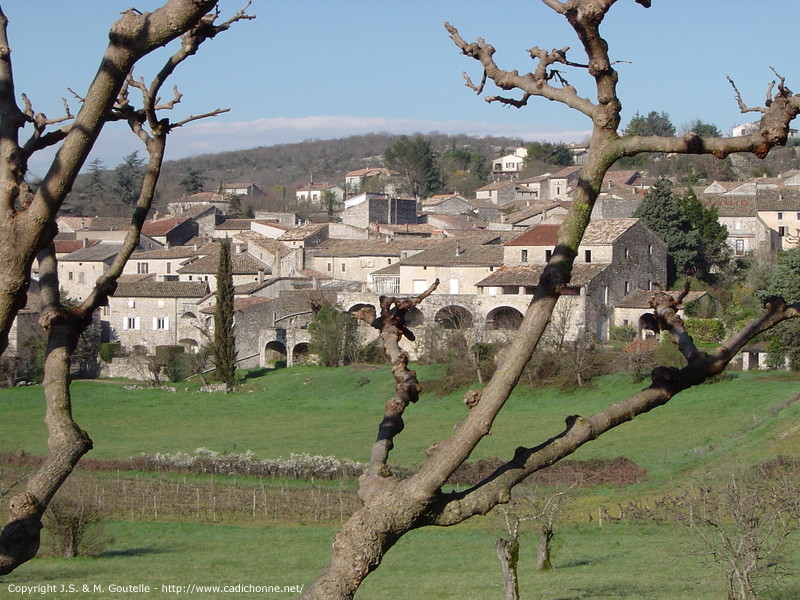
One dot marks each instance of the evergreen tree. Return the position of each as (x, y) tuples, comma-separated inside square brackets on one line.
[(714, 252), (653, 124), (128, 178), (224, 338), (192, 182), (661, 211), (415, 161), (783, 280), (554, 154)]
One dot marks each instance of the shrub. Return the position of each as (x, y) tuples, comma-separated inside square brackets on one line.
[(108, 350), (74, 528), (622, 333), (705, 330)]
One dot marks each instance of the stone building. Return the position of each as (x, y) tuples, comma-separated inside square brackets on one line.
[(154, 313), (369, 208)]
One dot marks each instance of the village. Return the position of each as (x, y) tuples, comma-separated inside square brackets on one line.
[(486, 251)]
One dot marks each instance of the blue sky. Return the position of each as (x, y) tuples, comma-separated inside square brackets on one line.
[(323, 69)]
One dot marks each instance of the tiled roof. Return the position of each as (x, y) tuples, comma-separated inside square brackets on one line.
[(67, 246), (163, 226), (497, 185), (528, 275), (242, 264), (302, 232), (269, 245), (175, 252), (601, 231), (355, 248), (732, 206), (231, 223), (458, 252), (201, 197), (536, 207), (161, 289), (641, 298), (450, 222), (101, 252), (370, 172), (778, 199), (620, 177), (107, 223)]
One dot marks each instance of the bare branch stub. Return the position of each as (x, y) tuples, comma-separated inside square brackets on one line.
[(392, 326)]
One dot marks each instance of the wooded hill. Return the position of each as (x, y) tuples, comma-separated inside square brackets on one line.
[(281, 169)]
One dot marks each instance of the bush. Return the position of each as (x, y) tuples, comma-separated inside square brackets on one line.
[(622, 333), (108, 350), (73, 527), (705, 330)]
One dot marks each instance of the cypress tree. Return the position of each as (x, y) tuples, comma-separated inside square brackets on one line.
[(224, 340)]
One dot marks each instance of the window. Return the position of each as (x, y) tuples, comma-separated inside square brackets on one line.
[(330, 267), (160, 323), (80, 277), (627, 287), (69, 275), (388, 261), (649, 249), (419, 285), (587, 256), (453, 286), (604, 294), (523, 256), (169, 268), (141, 267), (737, 225), (131, 303), (548, 254), (344, 267), (780, 216), (627, 253), (130, 323), (161, 303), (739, 247), (782, 231)]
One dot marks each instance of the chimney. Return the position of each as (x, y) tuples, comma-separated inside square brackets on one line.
[(458, 249), (261, 276)]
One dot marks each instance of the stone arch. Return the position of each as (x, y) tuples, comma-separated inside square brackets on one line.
[(300, 353), (454, 317), (274, 352), (362, 307), (188, 315), (190, 345), (504, 317), (414, 317)]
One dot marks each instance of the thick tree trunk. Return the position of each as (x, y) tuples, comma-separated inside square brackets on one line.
[(508, 552)]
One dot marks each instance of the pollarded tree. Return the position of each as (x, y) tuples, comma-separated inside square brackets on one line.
[(392, 506), (27, 221)]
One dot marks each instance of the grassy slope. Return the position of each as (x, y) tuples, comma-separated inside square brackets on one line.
[(336, 412)]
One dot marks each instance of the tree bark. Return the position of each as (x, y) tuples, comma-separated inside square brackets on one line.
[(508, 552), (543, 562)]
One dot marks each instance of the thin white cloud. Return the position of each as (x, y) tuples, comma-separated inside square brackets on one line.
[(210, 137)]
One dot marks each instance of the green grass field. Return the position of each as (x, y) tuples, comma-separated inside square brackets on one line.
[(704, 432)]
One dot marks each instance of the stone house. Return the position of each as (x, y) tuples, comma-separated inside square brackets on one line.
[(369, 208), (458, 264), (510, 164), (220, 202), (356, 260), (246, 189), (447, 204), (174, 231), (229, 226), (499, 193), (372, 179), (313, 192), (449, 223), (280, 259), (540, 211), (154, 313), (615, 257), (305, 236), (249, 314), (78, 271), (163, 264), (246, 269)]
